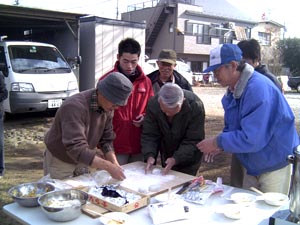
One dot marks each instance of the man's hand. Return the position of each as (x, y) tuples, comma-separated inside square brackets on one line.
[(138, 121), (209, 148), (115, 170), (207, 145), (209, 158), (111, 156), (170, 162), (150, 163)]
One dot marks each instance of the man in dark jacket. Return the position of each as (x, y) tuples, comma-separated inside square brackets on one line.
[(166, 63), (3, 96), (252, 55), (173, 124)]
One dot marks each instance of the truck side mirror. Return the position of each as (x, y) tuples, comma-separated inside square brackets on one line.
[(74, 60), (4, 69), (78, 59)]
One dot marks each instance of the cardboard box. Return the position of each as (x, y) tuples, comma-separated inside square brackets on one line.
[(129, 207)]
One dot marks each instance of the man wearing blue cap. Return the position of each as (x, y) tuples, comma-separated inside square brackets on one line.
[(259, 124)]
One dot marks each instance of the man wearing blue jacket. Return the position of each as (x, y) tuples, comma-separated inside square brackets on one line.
[(259, 123)]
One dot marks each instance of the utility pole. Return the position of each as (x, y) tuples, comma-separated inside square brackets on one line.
[(117, 9)]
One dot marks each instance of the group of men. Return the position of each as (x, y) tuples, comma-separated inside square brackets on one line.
[(131, 116), (111, 125)]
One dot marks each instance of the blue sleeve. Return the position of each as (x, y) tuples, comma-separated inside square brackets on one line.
[(254, 119)]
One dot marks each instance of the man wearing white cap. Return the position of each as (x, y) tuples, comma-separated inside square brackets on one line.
[(259, 124), (83, 122)]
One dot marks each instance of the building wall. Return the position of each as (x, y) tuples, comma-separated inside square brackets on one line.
[(99, 42), (185, 44)]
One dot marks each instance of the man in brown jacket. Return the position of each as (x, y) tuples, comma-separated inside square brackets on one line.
[(83, 123)]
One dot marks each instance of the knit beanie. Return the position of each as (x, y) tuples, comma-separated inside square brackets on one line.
[(116, 88)]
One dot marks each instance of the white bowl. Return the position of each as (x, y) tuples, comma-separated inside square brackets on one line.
[(232, 211), (108, 218), (275, 199), (243, 198)]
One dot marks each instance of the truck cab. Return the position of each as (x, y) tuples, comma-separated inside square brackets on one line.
[(37, 76)]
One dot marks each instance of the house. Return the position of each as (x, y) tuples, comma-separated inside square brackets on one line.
[(192, 28), (268, 33)]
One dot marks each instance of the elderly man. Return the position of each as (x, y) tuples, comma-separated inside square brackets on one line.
[(174, 124), (83, 122), (166, 72), (259, 124)]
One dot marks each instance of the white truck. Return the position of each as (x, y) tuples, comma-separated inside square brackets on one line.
[(37, 76)]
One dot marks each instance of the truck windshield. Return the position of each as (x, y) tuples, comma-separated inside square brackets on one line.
[(37, 59)]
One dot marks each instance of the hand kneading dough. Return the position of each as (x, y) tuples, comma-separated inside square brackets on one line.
[(154, 187), (156, 171)]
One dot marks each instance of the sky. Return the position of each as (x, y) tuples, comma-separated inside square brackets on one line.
[(283, 12)]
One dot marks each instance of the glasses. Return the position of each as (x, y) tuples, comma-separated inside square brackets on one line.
[(217, 71)]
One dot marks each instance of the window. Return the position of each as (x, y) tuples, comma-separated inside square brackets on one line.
[(199, 30), (190, 2), (171, 28), (29, 59), (2, 55), (264, 38)]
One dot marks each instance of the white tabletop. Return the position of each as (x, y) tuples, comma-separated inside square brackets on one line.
[(258, 213)]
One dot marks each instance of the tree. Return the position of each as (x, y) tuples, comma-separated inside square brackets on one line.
[(290, 51)]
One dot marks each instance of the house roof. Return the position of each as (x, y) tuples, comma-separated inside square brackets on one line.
[(223, 9), (10, 17), (272, 22)]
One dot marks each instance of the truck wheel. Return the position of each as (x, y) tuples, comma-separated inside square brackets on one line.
[(298, 88)]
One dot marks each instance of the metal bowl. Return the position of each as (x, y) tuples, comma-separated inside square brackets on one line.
[(63, 205), (27, 194)]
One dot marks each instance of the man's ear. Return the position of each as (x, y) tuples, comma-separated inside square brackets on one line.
[(234, 64)]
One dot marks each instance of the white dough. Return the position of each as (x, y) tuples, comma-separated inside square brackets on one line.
[(156, 171), (143, 189), (154, 187)]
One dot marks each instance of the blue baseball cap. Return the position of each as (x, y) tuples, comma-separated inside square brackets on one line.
[(223, 54)]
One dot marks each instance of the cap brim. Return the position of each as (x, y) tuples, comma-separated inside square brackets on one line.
[(167, 61), (212, 68)]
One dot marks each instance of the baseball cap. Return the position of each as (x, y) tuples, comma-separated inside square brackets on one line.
[(168, 56), (223, 54), (116, 88)]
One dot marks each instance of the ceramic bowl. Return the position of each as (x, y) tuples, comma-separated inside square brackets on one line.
[(243, 198), (275, 199)]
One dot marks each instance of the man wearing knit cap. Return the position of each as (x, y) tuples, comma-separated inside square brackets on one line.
[(166, 72), (83, 122)]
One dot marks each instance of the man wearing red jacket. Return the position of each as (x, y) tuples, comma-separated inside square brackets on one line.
[(128, 119)]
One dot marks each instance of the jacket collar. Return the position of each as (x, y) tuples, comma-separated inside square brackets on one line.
[(242, 82)]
